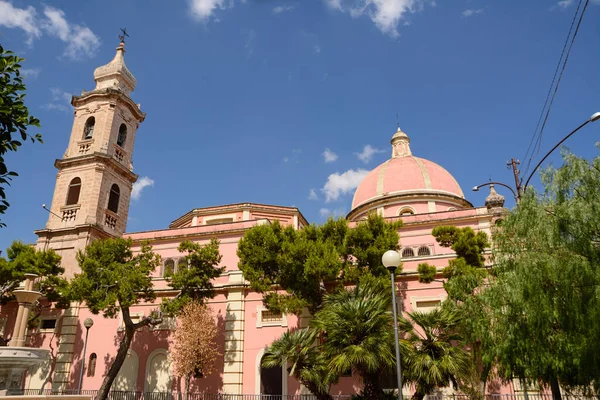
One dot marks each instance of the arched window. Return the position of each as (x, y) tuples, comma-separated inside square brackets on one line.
[(408, 252), (92, 365), (182, 264), (423, 251), (122, 135), (88, 131), (74, 190), (405, 211), (113, 198), (452, 209), (168, 267)]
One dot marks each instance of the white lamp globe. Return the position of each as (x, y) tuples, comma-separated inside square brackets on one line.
[(391, 259)]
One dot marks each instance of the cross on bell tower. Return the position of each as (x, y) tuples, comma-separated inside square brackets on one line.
[(122, 36)]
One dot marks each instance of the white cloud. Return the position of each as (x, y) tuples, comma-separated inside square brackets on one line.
[(286, 159), (312, 195), (23, 18), (31, 72), (280, 9), (564, 3), (202, 10), (385, 14), (329, 156), (468, 13), (138, 186), (335, 4), (367, 154), (80, 40), (340, 184), (567, 3), (317, 48), (61, 100), (326, 212), (249, 45)]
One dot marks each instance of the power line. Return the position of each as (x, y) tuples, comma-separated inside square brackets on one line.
[(536, 140)]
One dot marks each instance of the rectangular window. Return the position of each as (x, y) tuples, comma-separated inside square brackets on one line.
[(135, 318), (47, 325), (266, 318), (270, 316), (219, 221)]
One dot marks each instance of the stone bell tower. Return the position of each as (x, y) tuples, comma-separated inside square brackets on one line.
[(95, 175)]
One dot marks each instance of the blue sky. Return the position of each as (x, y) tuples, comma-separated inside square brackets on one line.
[(275, 101)]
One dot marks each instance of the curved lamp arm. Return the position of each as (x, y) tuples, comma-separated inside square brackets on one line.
[(594, 117), (476, 188)]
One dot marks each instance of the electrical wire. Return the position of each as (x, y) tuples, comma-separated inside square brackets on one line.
[(536, 140)]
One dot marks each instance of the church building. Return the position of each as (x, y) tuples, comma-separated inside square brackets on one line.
[(91, 201)]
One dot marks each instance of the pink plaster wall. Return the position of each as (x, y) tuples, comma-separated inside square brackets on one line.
[(104, 337)]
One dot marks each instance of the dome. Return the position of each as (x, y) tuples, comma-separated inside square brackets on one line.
[(405, 175), (115, 74)]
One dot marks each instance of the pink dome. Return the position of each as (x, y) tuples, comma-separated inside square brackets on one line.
[(405, 174)]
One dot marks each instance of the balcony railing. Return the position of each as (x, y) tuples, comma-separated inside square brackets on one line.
[(110, 219)]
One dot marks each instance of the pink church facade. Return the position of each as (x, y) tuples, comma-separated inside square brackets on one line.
[(91, 200)]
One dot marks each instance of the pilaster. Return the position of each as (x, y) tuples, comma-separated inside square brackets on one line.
[(66, 348), (234, 335)]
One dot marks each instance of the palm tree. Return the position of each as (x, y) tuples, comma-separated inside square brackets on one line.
[(434, 358), (357, 328), (297, 350)]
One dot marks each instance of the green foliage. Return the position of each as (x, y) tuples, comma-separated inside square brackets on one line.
[(308, 263), (545, 298), (14, 117), (112, 278), (22, 259), (426, 272), (367, 242), (299, 352), (194, 282), (357, 327), (465, 277), (433, 357)]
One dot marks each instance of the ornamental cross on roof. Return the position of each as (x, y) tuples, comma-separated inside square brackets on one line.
[(122, 37)]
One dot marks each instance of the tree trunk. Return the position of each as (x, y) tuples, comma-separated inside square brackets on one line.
[(118, 362), (372, 389), (555, 388), (420, 393), (315, 391), (188, 378)]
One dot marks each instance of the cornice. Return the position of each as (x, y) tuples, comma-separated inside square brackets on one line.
[(206, 211), (96, 157), (417, 195), (188, 236), (85, 97), (74, 229)]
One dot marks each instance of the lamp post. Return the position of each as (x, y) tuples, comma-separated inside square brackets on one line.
[(88, 323), (593, 118), (391, 260), (476, 188)]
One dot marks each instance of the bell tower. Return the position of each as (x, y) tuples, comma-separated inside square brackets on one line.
[(93, 183), (95, 174)]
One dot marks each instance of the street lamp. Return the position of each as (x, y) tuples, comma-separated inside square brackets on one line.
[(88, 323), (593, 118), (391, 260), (476, 188)]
